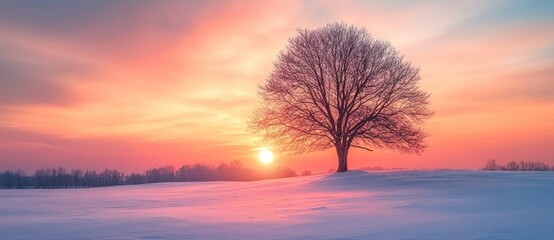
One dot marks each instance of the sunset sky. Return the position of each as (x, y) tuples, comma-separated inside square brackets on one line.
[(138, 84)]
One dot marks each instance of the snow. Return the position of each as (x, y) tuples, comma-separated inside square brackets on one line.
[(352, 205)]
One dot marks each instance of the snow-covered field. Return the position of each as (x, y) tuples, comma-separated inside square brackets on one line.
[(353, 205)]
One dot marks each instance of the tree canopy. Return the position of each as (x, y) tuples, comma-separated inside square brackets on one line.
[(336, 86)]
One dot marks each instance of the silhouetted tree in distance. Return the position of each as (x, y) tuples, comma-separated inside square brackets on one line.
[(336, 86), (533, 166), (511, 166), (521, 166), (491, 165)]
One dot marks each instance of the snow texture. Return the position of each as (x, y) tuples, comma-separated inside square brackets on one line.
[(352, 205)]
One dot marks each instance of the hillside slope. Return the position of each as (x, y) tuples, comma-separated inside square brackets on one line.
[(353, 205)]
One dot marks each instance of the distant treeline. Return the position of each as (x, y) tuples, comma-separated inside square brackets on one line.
[(515, 166), (77, 178)]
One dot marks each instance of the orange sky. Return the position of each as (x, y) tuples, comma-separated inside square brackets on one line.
[(132, 84)]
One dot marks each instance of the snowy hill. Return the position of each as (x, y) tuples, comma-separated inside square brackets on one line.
[(353, 205)]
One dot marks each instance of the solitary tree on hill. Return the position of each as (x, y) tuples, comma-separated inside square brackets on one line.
[(336, 86)]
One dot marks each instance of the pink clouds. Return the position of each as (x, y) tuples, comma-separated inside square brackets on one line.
[(139, 85)]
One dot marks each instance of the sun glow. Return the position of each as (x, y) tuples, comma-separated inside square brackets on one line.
[(266, 156)]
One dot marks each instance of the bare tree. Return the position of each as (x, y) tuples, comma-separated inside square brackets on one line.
[(511, 166), (491, 165), (336, 86)]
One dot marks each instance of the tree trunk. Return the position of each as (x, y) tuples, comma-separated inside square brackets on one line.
[(342, 153)]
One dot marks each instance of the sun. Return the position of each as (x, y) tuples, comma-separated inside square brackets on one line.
[(266, 156)]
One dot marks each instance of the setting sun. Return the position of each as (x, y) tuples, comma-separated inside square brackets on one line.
[(266, 156)]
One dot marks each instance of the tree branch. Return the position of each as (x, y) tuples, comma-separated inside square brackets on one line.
[(356, 146)]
